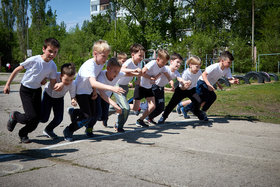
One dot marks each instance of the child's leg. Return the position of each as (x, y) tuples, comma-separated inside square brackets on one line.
[(209, 100), (31, 101), (151, 107), (176, 98), (159, 101), (58, 109), (86, 104), (137, 98), (123, 104), (46, 107)]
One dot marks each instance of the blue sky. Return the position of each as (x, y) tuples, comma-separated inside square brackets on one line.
[(71, 11)]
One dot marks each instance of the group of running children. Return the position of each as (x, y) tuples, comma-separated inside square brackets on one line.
[(93, 88)]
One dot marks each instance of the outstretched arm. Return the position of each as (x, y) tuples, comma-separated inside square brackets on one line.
[(95, 84), (11, 78), (110, 101)]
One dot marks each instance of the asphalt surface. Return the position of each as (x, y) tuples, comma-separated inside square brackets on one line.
[(182, 152)]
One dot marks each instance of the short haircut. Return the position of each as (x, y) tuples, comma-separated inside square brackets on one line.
[(163, 54), (135, 48), (51, 42), (68, 69), (175, 56), (101, 46), (121, 55), (226, 54), (113, 62), (194, 60)]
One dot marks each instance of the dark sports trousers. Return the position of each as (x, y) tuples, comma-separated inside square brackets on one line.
[(159, 100), (102, 111), (86, 112), (31, 103), (49, 103), (206, 95), (178, 96)]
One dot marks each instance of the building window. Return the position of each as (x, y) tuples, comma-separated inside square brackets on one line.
[(93, 7)]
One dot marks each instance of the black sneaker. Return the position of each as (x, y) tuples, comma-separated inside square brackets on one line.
[(11, 122), (71, 113), (105, 123), (50, 134), (151, 121), (141, 123), (89, 132), (161, 120), (25, 139), (68, 136), (205, 118)]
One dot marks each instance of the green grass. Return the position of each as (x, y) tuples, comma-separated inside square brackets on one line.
[(260, 102), (2, 83)]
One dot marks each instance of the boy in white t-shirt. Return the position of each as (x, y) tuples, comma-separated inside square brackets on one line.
[(210, 76), (150, 73), (37, 68), (86, 85), (158, 88), (54, 100), (132, 66), (110, 76), (187, 89)]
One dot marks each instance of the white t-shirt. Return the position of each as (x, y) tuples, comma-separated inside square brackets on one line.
[(103, 79), (36, 70), (153, 70), (188, 75), (162, 80), (58, 94), (215, 72), (89, 69), (129, 64)]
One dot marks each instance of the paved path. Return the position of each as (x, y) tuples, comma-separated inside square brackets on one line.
[(223, 152)]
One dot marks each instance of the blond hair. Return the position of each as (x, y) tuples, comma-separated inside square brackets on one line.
[(194, 60), (101, 46), (163, 54)]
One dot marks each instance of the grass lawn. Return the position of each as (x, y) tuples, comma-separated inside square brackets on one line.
[(259, 102)]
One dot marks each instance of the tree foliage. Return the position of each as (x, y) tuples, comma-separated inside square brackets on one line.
[(200, 27)]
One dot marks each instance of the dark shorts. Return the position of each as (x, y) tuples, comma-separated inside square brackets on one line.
[(141, 92)]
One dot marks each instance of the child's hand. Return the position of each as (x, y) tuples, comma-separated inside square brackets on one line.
[(152, 80), (94, 94), (74, 102), (58, 86), (118, 90), (44, 81), (234, 81), (6, 89), (118, 109), (130, 85), (210, 87)]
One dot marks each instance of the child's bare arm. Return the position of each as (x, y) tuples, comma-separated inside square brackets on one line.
[(11, 78), (204, 76), (98, 85), (110, 101), (233, 80)]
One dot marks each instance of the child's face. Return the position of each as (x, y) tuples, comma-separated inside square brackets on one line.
[(138, 57), (176, 63), (101, 57), (67, 80), (161, 62), (226, 62), (122, 60), (49, 53), (112, 72), (194, 68)]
